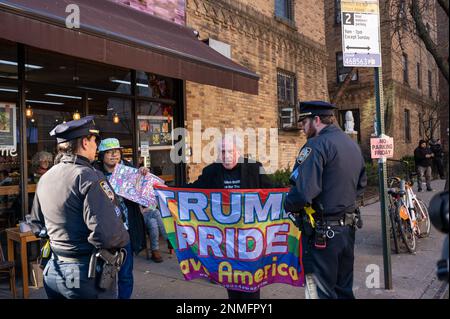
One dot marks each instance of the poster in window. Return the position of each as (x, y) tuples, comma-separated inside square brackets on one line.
[(8, 138), (156, 131)]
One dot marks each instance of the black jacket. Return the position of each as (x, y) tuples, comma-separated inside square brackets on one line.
[(136, 224), (437, 150), (77, 206), (419, 156), (330, 170), (212, 177)]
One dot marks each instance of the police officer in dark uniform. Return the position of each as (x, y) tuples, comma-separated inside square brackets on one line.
[(328, 176), (77, 207)]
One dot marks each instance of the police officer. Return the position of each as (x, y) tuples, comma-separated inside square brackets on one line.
[(77, 206), (328, 175)]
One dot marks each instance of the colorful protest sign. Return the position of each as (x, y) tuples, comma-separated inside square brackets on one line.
[(241, 239), (130, 184)]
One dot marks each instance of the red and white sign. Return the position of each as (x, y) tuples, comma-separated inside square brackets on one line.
[(382, 147)]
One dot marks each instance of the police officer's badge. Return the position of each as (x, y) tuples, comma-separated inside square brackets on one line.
[(303, 154), (107, 190)]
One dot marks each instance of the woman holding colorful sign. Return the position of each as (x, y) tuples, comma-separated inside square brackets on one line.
[(110, 154)]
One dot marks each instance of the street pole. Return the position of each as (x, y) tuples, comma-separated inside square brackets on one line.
[(382, 182)]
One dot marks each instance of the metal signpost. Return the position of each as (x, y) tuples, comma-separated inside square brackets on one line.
[(361, 48)]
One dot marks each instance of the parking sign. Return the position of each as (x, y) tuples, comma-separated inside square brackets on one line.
[(361, 33)]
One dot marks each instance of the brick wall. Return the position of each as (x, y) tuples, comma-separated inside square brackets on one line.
[(262, 44), (398, 95)]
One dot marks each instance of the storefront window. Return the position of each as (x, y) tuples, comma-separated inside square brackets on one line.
[(155, 126), (113, 117), (8, 60), (69, 71), (154, 86), (46, 108), (9, 157)]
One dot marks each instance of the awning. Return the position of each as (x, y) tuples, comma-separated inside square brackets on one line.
[(118, 35)]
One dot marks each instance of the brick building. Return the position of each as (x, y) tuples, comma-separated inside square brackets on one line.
[(410, 81), (284, 43)]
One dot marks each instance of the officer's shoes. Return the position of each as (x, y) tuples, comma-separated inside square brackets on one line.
[(430, 189), (156, 256), (419, 190)]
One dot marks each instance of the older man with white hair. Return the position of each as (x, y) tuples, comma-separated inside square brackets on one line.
[(234, 171)]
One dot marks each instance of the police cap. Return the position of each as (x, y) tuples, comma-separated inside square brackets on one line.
[(74, 129), (315, 108)]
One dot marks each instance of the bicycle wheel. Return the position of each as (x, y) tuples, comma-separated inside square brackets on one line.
[(406, 232), (394, 229), (423, 218)]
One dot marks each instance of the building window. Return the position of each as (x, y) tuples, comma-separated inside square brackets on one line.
[(284, 9), (405, 68), (287, 97), (337, 11), (342, 71), (407, 124), (356, 119), (419, 76), (402, 14), (420, 125), (430, 83)]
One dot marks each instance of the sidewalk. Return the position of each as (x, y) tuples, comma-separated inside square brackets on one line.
[(413, 276)]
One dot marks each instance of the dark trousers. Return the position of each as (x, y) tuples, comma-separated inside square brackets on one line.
[(332, 267), (125, 276), (234, 294), (64, 280), (439, 164)]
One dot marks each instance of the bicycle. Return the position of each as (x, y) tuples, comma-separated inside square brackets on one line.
[(408, 214)]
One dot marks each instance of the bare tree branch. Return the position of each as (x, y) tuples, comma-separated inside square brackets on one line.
[(423, 34), (343, 85)]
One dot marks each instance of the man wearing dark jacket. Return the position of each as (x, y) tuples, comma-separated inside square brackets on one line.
[(423, 157), (110, 155), (438, 159), (233, 172)]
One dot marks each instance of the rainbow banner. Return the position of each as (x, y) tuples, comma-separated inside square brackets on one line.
[(239, 238)]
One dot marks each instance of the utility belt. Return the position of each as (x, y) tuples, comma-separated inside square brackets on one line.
[(81, 259), (348, 219), (104, 267), (320, 228)]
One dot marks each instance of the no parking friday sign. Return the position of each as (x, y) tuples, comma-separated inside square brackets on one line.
[(382, 147)]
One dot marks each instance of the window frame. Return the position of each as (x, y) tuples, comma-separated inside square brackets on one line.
[(290, 11), (285, 103), (405, 68), (430, 83), (341, 67), (419, 75), (337, 12), (407, 125)]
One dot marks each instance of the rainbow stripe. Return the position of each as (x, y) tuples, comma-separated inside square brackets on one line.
[(240, 239)]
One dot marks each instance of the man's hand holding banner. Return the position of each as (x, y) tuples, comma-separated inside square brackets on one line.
[(241, 239)]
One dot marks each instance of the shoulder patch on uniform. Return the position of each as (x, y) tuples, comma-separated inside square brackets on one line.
[(303, 154), (107, 190)]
